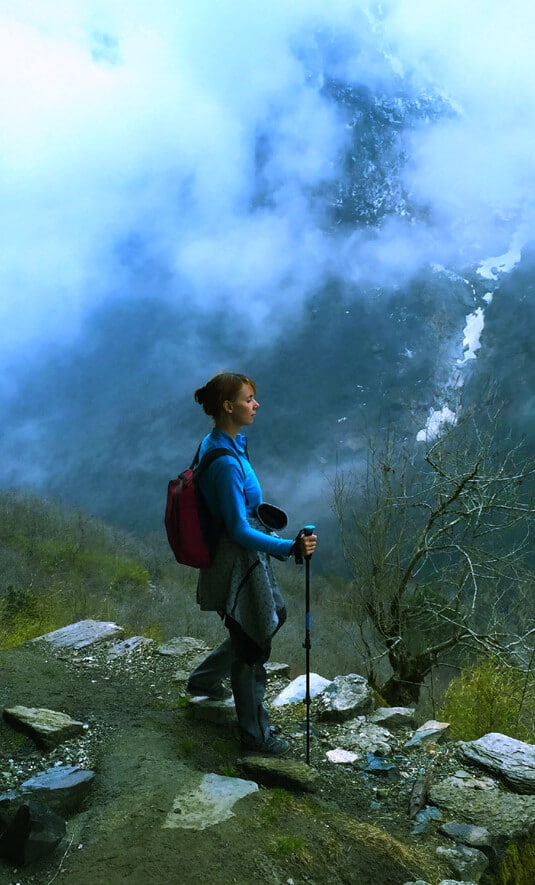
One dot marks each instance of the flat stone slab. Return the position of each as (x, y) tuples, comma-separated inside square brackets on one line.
[(394, 717), (431, 732), (47, 727), (209, 803), (81, 634), (511, 760), (276, 772), (183, 645), (468, 834), (129, 646), (219, 712)]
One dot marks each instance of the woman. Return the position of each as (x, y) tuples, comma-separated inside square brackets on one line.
[(240, 583)]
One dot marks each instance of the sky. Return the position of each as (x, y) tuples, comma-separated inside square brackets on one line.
[(132, 128)]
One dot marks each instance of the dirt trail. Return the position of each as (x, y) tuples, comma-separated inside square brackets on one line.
[(145, 751)]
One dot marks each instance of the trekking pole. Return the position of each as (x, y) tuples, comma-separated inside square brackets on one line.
[(307, 530)]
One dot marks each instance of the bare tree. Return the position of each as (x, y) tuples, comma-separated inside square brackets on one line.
[(438, 541)]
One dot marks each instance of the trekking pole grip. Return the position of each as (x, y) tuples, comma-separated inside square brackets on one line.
[(305, 531)]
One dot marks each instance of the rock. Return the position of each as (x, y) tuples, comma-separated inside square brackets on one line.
[(394, 717), (127, 646), (295, 692), (469, 780), (276, 671), (419, 792), (47, 727), (423, 818), (277, 772), (475, 837), (430, 732), (364, 738), (183, 645), (34, 832), (511, 760), (464, 862), (62, 788), (381, 768), (455, 882), (341, 756), (209, 803), (417, 882), (81, 634), (345, 698), (219, 712), (510, 817)]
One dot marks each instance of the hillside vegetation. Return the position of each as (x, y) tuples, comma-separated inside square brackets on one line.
[(59, 565)]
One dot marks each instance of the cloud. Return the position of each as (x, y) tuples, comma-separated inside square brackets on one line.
[(476, 169), (199, 132)]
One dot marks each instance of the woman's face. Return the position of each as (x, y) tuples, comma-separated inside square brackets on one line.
[(243, 408)]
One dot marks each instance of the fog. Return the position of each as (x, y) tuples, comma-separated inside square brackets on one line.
[(190, 152), (142, 119)]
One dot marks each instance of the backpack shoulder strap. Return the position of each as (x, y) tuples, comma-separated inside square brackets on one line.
[(211, 456)]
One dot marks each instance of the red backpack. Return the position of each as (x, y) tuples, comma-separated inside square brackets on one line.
[(192, 531)]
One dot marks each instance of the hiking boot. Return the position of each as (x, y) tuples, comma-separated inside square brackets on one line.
[(213, 693), (272, 746)]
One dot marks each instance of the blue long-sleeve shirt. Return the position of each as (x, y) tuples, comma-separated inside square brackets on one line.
[(232, 493)]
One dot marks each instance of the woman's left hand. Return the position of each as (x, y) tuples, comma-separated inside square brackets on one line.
[(304, 546)]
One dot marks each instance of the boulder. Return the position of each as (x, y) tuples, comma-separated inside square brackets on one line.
[(511, 760), (345, 698)]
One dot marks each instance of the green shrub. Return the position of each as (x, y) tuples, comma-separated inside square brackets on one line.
[(489, 697), (30, 616), (128, 574)]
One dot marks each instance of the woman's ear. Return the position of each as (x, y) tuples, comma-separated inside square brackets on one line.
[(227, 405)]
